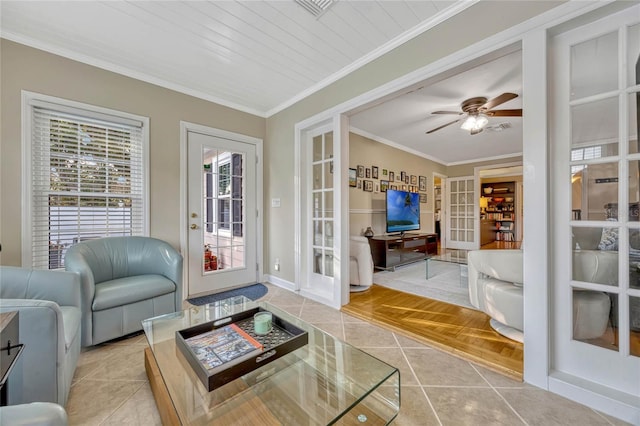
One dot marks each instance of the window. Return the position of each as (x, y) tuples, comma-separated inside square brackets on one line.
[(86, 177)]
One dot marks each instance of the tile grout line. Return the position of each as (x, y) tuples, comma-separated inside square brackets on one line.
[(499, 394), (415, 376), (115, 410)]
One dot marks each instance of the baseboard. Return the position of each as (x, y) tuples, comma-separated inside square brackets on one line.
[(279, 282), (609, 401)]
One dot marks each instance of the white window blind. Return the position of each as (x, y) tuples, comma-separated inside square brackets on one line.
[(87, 179)]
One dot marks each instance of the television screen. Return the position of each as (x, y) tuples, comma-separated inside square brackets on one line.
[(403, 211)]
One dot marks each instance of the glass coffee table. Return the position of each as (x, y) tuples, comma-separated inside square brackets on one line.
[(324, 382), (458, 257)]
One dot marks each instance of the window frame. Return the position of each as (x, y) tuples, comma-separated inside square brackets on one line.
[(32, 99)]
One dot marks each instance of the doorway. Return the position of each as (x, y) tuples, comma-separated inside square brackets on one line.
[(222, 229)]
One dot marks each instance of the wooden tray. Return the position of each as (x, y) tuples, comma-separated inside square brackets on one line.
[(282, 339)]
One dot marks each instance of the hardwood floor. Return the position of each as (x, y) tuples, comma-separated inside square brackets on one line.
[(459, 331)]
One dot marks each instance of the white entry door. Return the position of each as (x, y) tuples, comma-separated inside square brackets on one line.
[(596, 157), (222, 220), (462, 211)]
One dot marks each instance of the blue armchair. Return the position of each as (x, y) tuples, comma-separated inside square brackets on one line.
[(124, 280), (48, 303)]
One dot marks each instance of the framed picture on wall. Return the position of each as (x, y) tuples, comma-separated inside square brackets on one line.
[(360, 171), (391, 176), (367, 172), (353, 178), (385, 172), (406, 179), (402, 176), (404, 187), (394, 187), (368, 185), (423, 183), (414, 180), (423, 197), (384, 185), (359, 183), (374, 172)]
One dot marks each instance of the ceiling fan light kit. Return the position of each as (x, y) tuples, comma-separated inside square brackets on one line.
[(475, 123), (478, 111)]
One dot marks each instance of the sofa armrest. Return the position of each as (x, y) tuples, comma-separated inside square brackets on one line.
[(41, 330), (36, 413), (60, 287)]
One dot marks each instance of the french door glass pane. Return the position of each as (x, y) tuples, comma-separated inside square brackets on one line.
[(595, 255), (592, 322), (594, 191), (633, 102), (634, 258), (594, 129), (633, 55), (322, 187), (594, 66), (634, 325)]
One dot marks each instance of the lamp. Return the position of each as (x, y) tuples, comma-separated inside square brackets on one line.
[(484, 203), (475, 122)]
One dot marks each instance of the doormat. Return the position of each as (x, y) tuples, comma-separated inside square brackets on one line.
[(253, 292)]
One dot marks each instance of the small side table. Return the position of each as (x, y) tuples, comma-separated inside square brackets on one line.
[(10, 350)]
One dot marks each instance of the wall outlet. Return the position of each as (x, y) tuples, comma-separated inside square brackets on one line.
[(276, 265)]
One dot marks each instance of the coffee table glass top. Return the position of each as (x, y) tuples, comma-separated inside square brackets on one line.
[(325, 382)]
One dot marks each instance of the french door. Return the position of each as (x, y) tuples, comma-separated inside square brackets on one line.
[(222, 213), (462, 211), (596, 235)]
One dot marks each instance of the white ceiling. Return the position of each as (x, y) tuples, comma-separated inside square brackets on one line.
[(404, 120), (262, 56)]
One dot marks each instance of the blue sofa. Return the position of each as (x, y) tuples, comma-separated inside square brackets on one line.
[(49, 316), (124, 281)]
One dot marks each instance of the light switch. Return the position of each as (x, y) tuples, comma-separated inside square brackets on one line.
[(275, 202)]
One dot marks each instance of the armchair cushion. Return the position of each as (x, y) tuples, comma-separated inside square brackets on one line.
[(124, 291), (35, 413)]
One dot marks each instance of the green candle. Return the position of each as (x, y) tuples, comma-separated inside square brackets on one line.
[(262, 322)]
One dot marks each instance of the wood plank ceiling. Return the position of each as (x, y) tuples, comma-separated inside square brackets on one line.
[(256, 56)]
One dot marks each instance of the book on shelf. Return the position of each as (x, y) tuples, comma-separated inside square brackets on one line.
[(221, 345)]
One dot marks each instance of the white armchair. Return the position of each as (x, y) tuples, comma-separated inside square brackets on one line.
[(360, 264)]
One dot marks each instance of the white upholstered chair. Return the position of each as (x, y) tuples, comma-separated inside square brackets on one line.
[(360, 264)]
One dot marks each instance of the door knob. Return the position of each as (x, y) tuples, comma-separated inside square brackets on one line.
[(194, 226)]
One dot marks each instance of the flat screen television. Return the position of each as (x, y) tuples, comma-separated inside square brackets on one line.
[(403, 211)]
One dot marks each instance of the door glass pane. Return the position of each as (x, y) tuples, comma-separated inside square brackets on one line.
[(328, 174), (328, 204), (634, 258), (223, 210), (328, 263), (634, 325), (594, 191), (328, 146), (633, 55), (317, 261), (594, 66), (634, 190), (594, 129), (317, 176), (595, 255), (593, 318), (317, 148), (317, 204), (634, 121)]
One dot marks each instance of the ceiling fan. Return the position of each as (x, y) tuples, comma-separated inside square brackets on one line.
[(478, 110)]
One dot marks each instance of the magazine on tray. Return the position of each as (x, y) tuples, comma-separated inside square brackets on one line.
[(222, 345)]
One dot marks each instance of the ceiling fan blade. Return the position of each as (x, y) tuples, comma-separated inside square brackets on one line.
[(448, 112), (497, 101), (443, 126), (505, 113)]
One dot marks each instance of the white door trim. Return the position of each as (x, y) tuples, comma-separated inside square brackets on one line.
[(185, 128)]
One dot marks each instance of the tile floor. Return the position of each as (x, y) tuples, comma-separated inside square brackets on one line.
[(110, 385)]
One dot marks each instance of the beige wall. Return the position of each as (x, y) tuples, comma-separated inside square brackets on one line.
[(367, 208), (24, 68)]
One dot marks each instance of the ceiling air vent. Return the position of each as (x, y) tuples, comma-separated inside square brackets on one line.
[(315, 7), (498, 127)]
